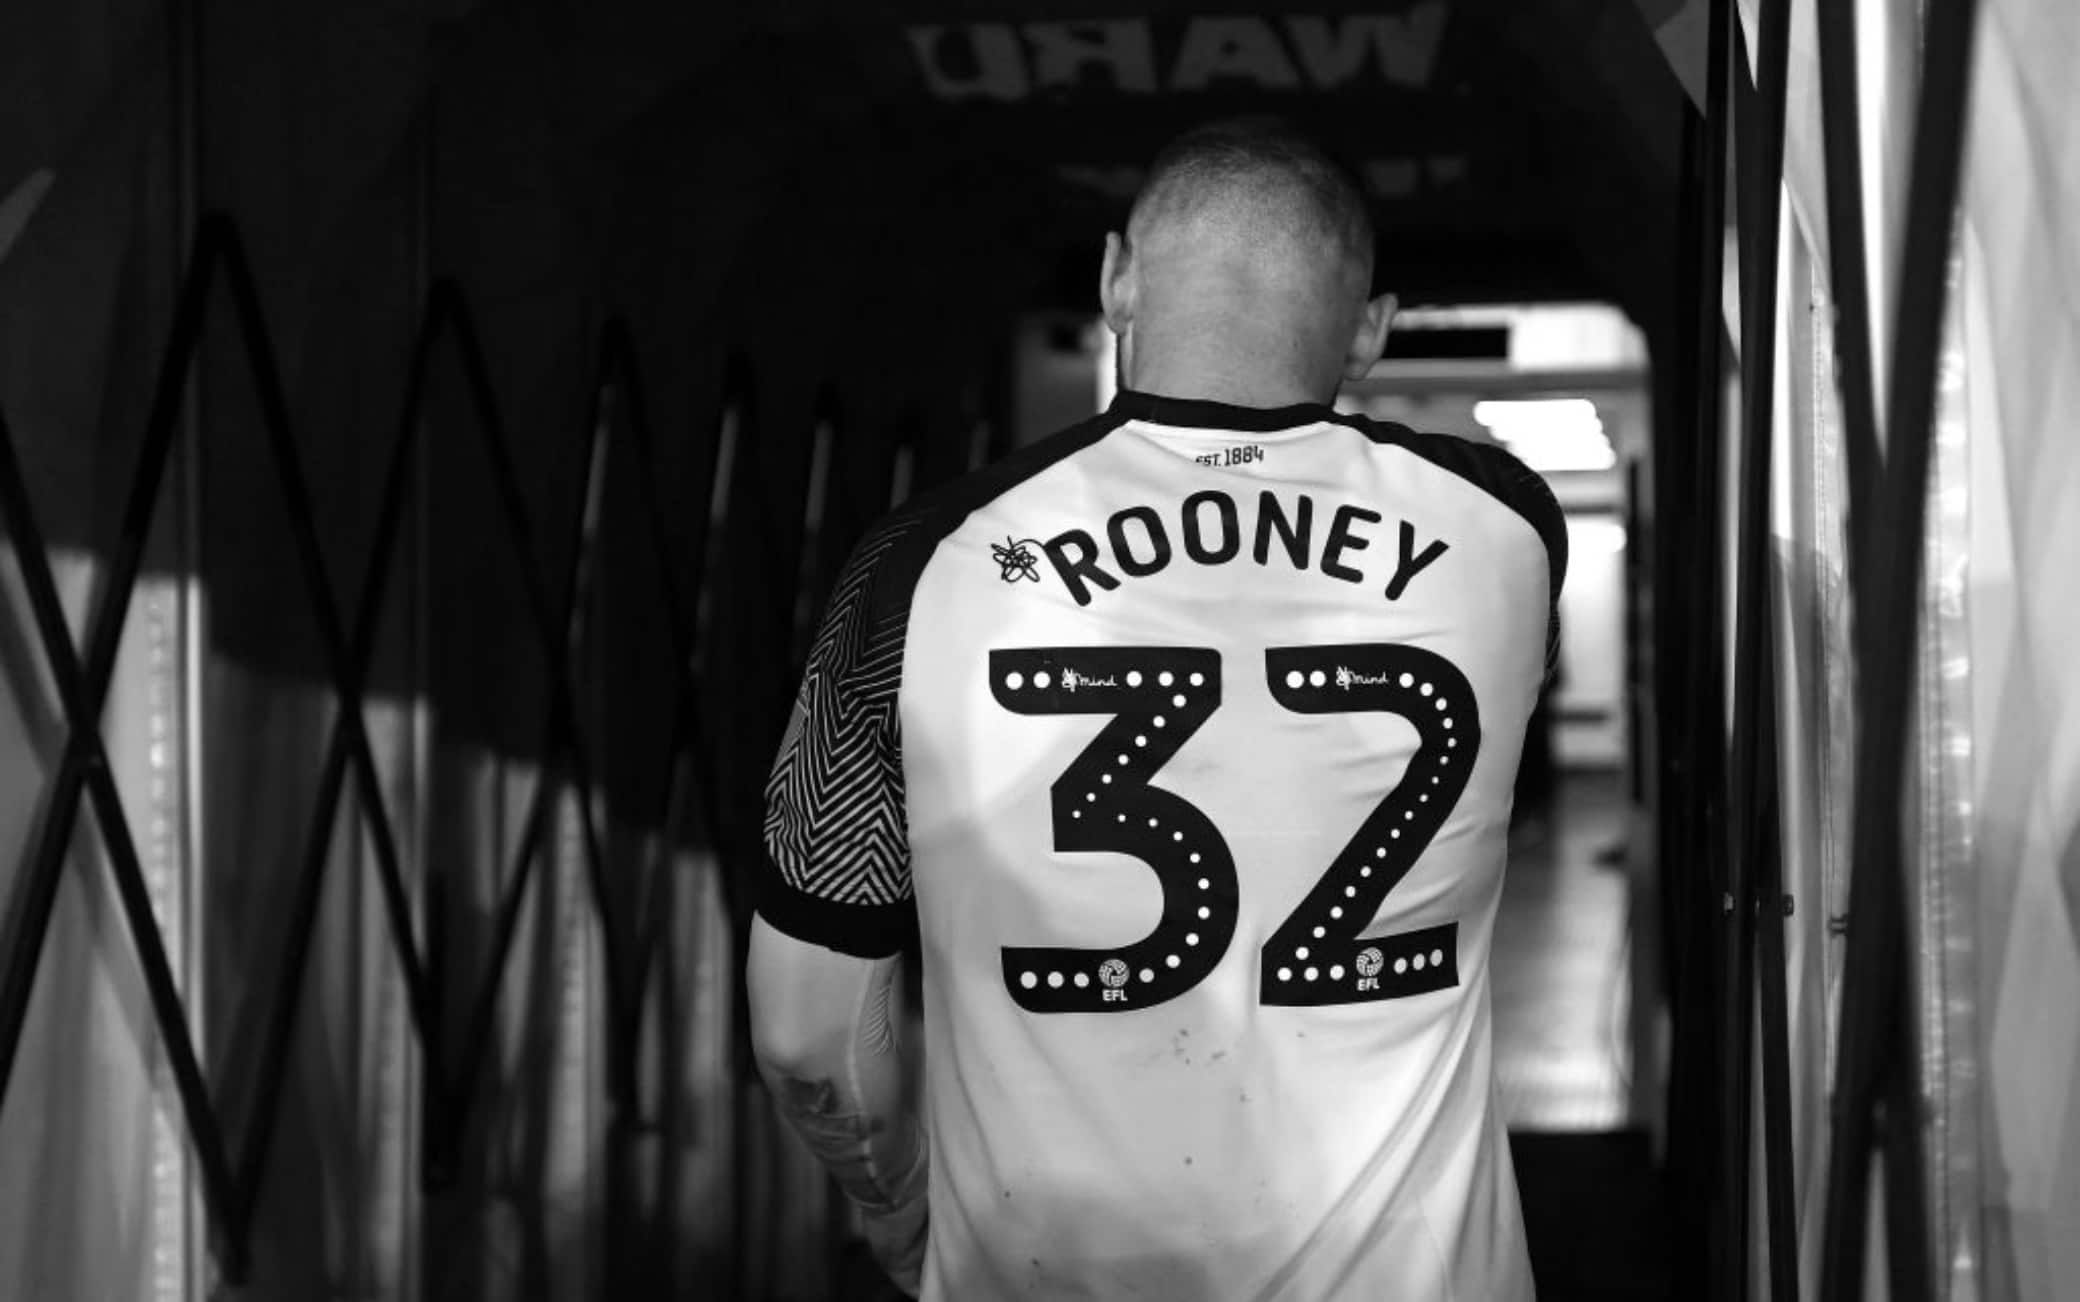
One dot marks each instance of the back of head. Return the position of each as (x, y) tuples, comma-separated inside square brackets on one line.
[(1254, 196), (1246, 236)]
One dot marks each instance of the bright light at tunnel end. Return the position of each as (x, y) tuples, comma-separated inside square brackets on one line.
[(1549, 433)]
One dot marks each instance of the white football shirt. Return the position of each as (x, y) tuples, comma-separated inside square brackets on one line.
[(1185, 740)]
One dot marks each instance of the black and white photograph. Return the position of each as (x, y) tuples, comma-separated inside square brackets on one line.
[(993, 651)]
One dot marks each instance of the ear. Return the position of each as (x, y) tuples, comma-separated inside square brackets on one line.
[(1116, 283), (1369, 339)]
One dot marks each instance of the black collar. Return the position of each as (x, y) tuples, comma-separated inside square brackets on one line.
[(1204, 413)]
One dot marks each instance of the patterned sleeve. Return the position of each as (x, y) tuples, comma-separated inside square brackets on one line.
[(836, 868)]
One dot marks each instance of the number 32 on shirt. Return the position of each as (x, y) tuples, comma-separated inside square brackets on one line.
[(1107, 800)]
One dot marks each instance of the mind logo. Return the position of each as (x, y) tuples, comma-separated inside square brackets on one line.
[(1347, 678)]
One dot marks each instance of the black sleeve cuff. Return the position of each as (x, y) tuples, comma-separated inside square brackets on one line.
[(862, 930)]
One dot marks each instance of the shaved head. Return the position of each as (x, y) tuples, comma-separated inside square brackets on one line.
[(1244, 270), (1255, 189)]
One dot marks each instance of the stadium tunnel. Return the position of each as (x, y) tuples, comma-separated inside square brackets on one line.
[(439, 422)]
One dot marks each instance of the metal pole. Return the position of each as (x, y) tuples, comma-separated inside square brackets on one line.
[(1875, 1045), (1686, 488), (1760, 140)]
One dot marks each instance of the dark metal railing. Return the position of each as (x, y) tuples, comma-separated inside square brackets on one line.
[(566, 766), (1689, 677), (1755, 901), (1876, 1071), (228, 1190), (231, 1179), (1876, 1090)]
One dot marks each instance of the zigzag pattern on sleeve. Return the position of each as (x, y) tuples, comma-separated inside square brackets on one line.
[(835, 825)]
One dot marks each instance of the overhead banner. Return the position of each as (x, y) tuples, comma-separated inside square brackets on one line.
[(1139, 56)]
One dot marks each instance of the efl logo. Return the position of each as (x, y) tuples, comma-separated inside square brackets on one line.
[(1370, 961), (1113, 974)]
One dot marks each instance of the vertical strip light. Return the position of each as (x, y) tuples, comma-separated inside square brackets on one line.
[(1947, 895)]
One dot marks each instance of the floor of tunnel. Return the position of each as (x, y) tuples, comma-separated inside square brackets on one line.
[(1594, 1215), (1558, 964), (1594, 1210)]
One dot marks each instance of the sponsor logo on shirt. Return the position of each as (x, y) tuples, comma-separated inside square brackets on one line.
[(1347, 678), (1071, 680)]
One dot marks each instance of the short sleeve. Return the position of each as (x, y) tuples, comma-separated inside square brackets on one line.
[(1527, 492), (1517, 486), (836, 868)]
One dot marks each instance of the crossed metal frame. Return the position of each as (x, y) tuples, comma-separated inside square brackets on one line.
[(231, 1178), (1754, 900), (1876, 1096), (1876, 1063)]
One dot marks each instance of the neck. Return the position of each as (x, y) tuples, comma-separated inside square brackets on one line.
[(1220, 385), (1264, 367)]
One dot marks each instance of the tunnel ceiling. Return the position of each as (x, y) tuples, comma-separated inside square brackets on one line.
[(1514, 149)]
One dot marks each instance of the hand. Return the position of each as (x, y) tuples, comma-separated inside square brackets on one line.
[(897, 1231), (897, 1239)]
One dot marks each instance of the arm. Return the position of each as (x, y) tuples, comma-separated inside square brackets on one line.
[(823, 1028)]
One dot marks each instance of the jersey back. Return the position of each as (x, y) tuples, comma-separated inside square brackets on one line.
[(1187, 740)]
